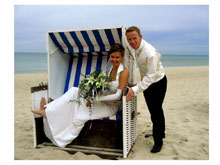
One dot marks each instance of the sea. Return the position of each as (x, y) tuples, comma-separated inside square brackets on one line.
[(37, 62)]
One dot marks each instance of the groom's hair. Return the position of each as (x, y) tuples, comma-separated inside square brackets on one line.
[(117, 48), (133, 28)]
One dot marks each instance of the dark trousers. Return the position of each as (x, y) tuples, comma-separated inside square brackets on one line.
[(154, 96)]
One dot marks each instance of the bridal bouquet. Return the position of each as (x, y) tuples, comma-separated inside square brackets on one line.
[(93, 86)]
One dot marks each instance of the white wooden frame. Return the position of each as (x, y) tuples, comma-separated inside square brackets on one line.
[(55, 57)]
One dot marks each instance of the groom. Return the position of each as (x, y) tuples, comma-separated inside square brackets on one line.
[(153, 83)]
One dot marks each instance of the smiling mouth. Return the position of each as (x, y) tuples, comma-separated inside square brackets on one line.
[(133, 45), (114, 63)]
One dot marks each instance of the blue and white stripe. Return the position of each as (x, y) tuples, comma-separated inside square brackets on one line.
[(84, 64), (72, 42)]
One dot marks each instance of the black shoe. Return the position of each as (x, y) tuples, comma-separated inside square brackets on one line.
[(148, 135), (157, 147)]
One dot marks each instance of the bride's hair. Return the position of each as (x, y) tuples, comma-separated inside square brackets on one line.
[(117, 48)]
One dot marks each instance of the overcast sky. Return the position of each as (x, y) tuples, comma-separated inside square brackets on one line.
[(172, 29)]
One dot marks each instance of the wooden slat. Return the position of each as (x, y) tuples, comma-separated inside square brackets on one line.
[(86, 149), (39, 88), (96, 148)]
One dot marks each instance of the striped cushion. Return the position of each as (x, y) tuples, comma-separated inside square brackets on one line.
[(84, 64)]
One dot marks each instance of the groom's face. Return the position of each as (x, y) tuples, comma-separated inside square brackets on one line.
[(134, 39)]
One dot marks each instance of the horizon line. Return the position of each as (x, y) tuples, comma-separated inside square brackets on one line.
[(160, 53)]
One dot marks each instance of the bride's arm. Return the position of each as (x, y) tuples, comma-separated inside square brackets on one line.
[(123, 80), (116, 96)]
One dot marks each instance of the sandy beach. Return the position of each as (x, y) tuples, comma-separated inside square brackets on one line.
[(186, 108)]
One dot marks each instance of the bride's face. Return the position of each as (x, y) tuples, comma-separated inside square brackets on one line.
[(116, 59)]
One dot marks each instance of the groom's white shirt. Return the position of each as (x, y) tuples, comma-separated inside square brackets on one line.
[(150, 66)]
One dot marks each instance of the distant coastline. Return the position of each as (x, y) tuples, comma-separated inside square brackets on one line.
[(161, 53), (34, 62)]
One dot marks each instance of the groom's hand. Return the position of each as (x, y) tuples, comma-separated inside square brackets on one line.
[(88, 104), (130, 94)]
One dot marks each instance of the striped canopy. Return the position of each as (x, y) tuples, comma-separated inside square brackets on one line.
[(84, 41)]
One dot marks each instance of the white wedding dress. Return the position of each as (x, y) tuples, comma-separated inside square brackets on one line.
[(65, 119)]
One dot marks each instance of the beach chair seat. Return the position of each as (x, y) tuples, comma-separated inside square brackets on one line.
[(80, 52)]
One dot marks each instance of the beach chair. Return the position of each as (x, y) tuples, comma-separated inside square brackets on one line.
[(75, 52)]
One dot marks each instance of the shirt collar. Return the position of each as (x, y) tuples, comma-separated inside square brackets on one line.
[(138, 51)]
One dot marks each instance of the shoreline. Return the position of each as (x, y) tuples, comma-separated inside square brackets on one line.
[(137, 68), (186, 108)]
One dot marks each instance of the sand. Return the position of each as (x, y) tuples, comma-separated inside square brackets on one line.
[(186, 108)]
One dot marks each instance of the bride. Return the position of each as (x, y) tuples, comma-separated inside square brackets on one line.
[(66, 119)]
